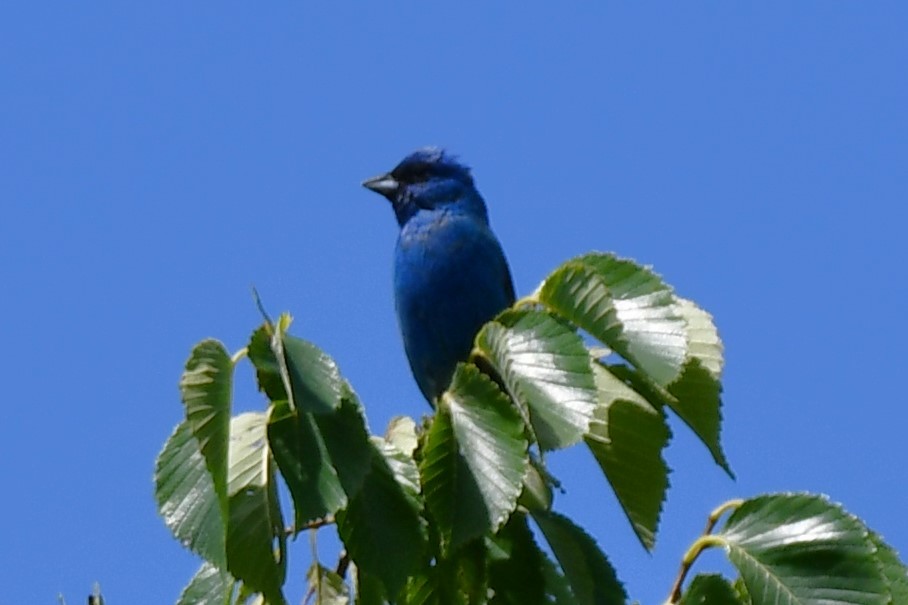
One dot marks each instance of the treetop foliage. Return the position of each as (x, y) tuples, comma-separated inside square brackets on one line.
[(452, 509)]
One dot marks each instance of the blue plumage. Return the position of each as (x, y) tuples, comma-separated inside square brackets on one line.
[(450, 273)]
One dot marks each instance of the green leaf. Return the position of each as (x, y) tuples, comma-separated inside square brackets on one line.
[(209, 586), (315, 382), (401, 433), (711, 589), (703, 340), (893, 570), (537, 487), (556, 585), (627, 437), (255, 545), (474, 460), (696, 394), (369, 589), (304, 463), (404, 468), (626, 306), (267, 367), (592, 578), (186, 499), (434, 586), (546, 367), (697, 399), (328, 587), (383, 517), (347, 440), (800, 549), (206, 389), (514, 563)]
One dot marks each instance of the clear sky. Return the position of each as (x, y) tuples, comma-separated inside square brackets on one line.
[(159, 158)]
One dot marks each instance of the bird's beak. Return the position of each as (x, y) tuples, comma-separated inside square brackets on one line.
[(385, 184)]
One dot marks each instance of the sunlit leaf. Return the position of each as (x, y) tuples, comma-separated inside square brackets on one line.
[(800, 549), (209, 586), (401, 433), (626, 306), (545, 365), (474, 460), (703, 340), (186, 498), (255, 552), (206, 389)]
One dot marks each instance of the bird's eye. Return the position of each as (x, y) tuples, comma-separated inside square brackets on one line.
[(416, 174)]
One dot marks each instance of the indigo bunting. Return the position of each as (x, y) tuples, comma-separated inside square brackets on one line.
[(450, 273)]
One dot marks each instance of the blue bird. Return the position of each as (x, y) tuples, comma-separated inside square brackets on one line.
[(450, 273)]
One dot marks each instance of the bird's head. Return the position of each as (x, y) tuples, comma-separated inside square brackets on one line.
[(428, 179)]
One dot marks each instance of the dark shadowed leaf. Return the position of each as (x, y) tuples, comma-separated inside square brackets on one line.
[(557, 587), (546, 367), (434, 586), (592, 578), (267, 368), (255, 545), (368, 588), (711, 589), (186, 498), (697, 398), (347, 441), (304, 463), (381, 519), (514, 564), (474, 459), (801, 549), (626, 306), (627, 437), (315, 381), (206, 390), (209, 586)]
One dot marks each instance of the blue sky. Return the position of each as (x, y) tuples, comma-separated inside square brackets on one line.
[(160, 158)]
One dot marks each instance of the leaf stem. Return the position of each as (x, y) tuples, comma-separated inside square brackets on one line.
[(704, 541), (687, 561), (239, 355), (718, 512)]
